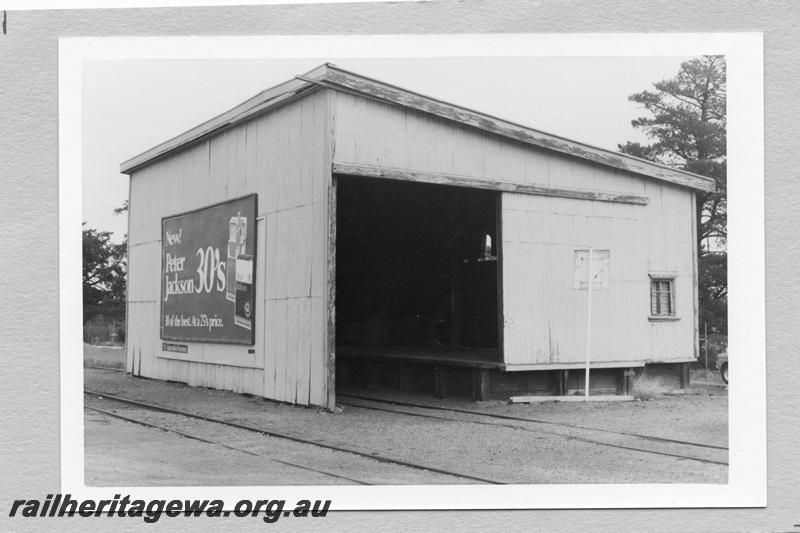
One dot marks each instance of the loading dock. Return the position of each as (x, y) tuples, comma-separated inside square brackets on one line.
[(409, 242)]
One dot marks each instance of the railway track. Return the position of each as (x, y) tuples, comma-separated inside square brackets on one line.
[(372, 456), (629, 441), (675, 448), (526, 419), (104, 367), (223, 445)]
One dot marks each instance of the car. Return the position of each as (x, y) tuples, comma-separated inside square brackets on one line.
[(722, 365)]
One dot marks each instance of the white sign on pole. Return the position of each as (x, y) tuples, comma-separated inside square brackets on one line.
[(591, 273), (601, 260)]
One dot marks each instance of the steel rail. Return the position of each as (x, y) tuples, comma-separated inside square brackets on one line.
[(570, 437), (234, 448), (103, 367), (379, 458), (538, 421)]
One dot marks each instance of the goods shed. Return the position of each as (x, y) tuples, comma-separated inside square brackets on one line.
[(337, 231)]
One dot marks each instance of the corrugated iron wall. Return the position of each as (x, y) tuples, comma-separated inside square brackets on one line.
[(284, 157)]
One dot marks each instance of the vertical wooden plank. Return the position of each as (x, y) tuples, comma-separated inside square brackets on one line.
[(139, 336), (695, 276), (322, 374), (271, 318), (267, 183), (143, 362), (293, 320), (518, 302), (148, 351), (260, 300), (308, 130), (303, 350), (131, 338), (128, 357), (273, 285), (296, 239), (280, 336), (318, 370), (331, 303), (499, 280), (215, 186), (244, 132), (226, 156)]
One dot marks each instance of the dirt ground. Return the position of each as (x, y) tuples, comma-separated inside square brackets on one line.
[(118, 452), (110, 356), (123, 453)]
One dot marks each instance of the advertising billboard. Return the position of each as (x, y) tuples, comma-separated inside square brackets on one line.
[(208, 259)]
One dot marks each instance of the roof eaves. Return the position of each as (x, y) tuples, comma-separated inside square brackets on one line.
[(333, 77), (264, 101)]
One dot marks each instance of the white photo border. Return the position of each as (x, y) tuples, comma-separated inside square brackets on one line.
[(747, 476)]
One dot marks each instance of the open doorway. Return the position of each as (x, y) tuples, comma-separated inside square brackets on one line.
[(416, 272)]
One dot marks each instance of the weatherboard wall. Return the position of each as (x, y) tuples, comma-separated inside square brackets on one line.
[(283, 156), (544, 317), (368, 132), (286, 157)]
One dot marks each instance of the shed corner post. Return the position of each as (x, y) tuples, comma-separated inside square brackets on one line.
[(128, 352), (331, 295), (499, 252)]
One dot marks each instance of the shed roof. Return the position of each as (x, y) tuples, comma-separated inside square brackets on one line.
[(338, 79)]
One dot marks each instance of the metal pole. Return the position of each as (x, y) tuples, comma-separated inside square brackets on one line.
[(588, 331), (705, 344)]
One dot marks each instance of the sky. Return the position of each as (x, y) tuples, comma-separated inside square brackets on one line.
[(129, 106)]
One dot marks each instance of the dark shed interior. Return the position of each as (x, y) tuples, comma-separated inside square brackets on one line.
[(416, 268)]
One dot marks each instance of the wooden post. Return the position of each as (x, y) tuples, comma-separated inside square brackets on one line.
[(330, 338), (438, 383), (558, 386), (480, 384), (404, 377), (455, 295), (626, 382), (499, 279), (684, 370)]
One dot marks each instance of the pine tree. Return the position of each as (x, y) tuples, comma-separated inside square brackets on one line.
[(687, 124)]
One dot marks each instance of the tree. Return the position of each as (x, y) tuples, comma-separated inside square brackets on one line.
[(121, 209), (104, 264), (687, 123)]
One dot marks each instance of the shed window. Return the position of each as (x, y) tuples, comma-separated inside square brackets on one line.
[(662, 297)]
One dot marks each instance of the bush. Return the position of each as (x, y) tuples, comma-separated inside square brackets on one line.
[(648, 387), (104, 330)]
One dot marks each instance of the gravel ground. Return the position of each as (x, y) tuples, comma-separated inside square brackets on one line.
[(504, 454), (121, 453), (698, 415)]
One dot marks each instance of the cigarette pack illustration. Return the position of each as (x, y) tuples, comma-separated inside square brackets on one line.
[(237, 235), (244, 291)]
